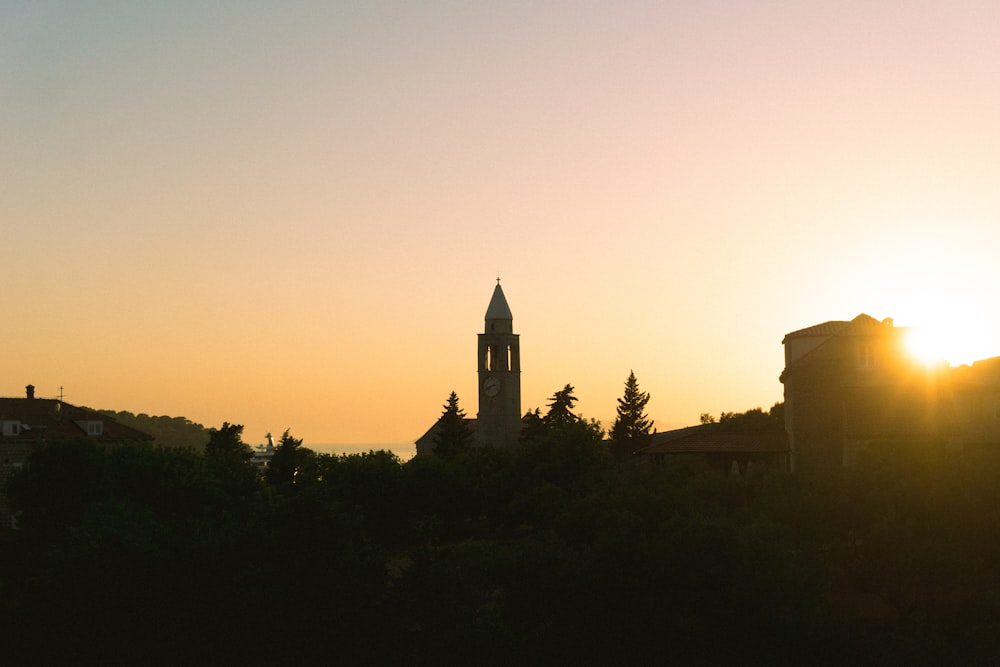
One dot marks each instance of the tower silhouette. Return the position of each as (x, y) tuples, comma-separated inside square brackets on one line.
[(499, 418)]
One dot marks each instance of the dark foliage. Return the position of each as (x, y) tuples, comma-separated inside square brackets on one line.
[(227, 440), (560, 424), (632, 427), (754, 419), (552, 554), (289, 459), (560, 414), (454, 436), (532, 426)]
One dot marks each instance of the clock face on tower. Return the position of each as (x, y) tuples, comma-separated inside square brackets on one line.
[(491, 386)]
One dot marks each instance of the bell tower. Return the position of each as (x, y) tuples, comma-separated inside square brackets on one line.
[(499, 420)]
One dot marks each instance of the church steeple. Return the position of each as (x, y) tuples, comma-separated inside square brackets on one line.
[(498, 312), (499, 418)]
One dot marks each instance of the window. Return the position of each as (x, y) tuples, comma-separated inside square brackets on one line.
[(12, 428), (489, 358), (866, 357), (94, 427)]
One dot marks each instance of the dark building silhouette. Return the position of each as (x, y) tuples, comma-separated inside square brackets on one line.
[(498, 421), (851, 386), (26, 423), (732, 451), (499, 418)]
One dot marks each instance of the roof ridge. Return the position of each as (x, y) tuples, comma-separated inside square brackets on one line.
[(840, 327)]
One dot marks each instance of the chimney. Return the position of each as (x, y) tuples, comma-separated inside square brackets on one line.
[(30, 389)]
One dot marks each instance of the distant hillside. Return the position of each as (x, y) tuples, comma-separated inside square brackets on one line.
[(166, 431)]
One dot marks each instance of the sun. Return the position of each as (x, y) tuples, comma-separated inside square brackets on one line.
[(930, 267), (927, 346), (948, 341)]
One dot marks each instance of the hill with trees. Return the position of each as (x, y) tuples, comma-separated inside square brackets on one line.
[(166, 431)]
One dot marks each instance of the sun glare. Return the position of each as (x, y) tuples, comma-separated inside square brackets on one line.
[(927, 346), (934, 344)]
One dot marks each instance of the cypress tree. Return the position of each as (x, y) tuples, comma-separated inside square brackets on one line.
[(632, 427), (454, 436)]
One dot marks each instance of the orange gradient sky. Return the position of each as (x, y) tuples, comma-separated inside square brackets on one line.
[(292, 214)]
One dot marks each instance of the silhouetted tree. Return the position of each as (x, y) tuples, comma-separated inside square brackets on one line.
[(532, 426), (454, 436), (228, 439), (754, 419), (562, 445), (231, 461), (632, 426), (561, 422), (560, 414), (288, 458)]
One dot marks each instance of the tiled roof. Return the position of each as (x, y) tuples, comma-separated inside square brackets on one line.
[(707, 441), (862, 325), (431, 434), (51, 418)]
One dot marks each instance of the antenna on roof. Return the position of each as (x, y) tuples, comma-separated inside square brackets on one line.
[(61, 393)]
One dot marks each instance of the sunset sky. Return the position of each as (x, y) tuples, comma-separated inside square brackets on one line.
[(293, 214)]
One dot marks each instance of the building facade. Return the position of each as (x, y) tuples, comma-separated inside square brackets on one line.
[(853, 385)]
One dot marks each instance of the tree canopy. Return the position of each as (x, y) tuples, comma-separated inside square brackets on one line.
[(560, 414), (453, 435), (754, 419), (152, 555), (228, 440), (288, 459)]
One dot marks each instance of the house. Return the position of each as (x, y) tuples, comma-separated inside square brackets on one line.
[(852, 385), (28, 422), (976, 392)]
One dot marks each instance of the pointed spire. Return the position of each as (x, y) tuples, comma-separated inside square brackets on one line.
[(498, 308)]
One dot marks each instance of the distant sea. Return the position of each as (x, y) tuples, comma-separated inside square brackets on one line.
[(405, 450)]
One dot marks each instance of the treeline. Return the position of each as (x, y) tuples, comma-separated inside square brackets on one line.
[(754, 419), (555, 553)]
